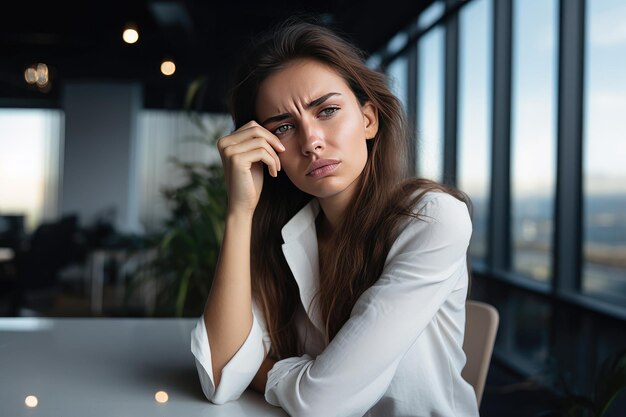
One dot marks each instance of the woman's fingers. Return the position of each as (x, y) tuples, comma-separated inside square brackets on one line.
[(251, 144), (251, 130), (243, 154), (247, 158)]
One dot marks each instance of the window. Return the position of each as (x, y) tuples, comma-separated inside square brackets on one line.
[(430, 105), (474, 138), (31, 140), (431, 14), (398, 72), (545, 323), (533, 136), (604, 151)]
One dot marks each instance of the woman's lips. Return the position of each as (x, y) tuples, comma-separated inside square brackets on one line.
[(324, 169)]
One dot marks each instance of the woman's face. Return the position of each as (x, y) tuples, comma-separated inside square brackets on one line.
[(319, 120)]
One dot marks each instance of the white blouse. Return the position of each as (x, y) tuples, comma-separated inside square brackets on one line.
[(400, 352)]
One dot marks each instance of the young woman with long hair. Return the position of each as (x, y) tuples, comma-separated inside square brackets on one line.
[(341, 285)]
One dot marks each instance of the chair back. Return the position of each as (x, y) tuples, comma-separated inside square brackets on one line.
[(481, 326)]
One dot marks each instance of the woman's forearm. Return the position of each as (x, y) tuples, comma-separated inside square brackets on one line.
[(228, 311)]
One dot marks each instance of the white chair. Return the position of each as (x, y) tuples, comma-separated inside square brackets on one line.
[(481, 326)]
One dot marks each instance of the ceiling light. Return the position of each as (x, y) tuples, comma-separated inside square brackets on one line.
[(168, 67), (42, 75), (131, 34), (30, 75), (37, 74)]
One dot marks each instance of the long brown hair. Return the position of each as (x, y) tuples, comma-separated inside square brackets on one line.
[(385, 194)]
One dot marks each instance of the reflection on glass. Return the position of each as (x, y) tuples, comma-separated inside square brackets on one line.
[(533, 136), (604, 167), (398, 72), (25, 324), (474, 116), (430, 105), (532, 327), (161, 397), (31, 401)]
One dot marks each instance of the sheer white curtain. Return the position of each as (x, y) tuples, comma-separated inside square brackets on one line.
[(166, 134), (31, 143)]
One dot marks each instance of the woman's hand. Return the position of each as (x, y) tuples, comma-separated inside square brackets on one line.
[(243, 154)]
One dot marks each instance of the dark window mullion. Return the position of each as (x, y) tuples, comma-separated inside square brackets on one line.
[(568, 208), (451, 98), (412, 104), (499, 254)]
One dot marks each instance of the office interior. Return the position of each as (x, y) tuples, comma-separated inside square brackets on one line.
[(111, 194)]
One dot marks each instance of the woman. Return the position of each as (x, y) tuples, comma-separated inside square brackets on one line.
[(341, 285)]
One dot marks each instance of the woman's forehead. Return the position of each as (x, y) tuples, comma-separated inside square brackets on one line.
[(297, 84)]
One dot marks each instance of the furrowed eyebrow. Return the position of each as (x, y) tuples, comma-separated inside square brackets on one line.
[(313, 103), (320, 100), (276, 118)]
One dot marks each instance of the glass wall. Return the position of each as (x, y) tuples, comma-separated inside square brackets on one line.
[(429, 144), (533, 136), (604, 151), (398, 73), (474, 134), (542, 321)]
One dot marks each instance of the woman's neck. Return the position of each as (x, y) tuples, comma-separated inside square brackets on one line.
[(323, 228), (333, 209)]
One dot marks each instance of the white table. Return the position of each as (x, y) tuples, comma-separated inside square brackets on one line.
[(107, 367)]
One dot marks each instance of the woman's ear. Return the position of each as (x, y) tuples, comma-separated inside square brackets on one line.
[(370, 119)]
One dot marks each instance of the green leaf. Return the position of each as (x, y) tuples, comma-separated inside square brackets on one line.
[(192, 92), (574, 403), (611, 380), (167, 239), (182, 291)]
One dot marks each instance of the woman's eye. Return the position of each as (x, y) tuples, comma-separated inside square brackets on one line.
[(282, 129), (329, 111)]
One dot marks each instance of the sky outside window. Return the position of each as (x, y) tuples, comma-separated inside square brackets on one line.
[(533, 136), (604, 151), (430, 105), (474, 141)]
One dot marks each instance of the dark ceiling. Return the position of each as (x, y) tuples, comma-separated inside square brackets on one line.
[(82, 41)]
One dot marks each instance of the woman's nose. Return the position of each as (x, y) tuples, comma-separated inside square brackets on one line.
[(312, 138)]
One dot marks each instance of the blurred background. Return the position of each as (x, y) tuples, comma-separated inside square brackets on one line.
[(111, 195)]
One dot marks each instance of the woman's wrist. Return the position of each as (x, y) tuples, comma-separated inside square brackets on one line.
[(239, 216)]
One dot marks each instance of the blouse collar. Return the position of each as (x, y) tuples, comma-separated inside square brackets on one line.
[(301, 252)]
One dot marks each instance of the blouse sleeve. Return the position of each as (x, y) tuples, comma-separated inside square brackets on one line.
[(242, 367), (423, 267)]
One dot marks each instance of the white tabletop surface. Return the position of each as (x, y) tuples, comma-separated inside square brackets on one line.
[(107, 367)]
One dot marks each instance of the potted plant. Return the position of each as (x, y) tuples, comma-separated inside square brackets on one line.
[(187, 252)]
